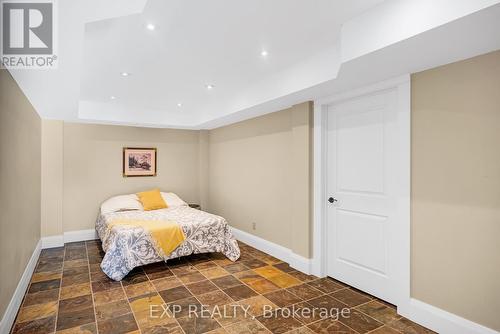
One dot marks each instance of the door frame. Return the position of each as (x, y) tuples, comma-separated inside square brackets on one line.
[(319, 261)]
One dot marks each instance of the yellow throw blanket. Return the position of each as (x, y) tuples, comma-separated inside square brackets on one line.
[(166, 235)]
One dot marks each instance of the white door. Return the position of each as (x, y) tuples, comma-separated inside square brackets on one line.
[(362, 192)]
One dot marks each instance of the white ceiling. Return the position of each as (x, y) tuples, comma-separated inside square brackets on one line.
[(313, 48), (205, 42), (196, 43)]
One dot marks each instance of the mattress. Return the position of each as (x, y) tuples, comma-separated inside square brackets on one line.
[(128, 247)]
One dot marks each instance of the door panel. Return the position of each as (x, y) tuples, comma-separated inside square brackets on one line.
[(361, 147), (352, 245)]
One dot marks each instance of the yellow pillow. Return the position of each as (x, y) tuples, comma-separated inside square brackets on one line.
[(152, 200)]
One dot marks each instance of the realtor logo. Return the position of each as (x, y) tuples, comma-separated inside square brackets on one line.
[(28, 34)]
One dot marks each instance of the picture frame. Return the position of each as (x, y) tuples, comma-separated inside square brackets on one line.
[(139, 161)]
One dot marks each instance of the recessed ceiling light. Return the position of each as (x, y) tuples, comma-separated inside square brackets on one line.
[(264, 53), (209, 86), (150, 26), (125, 74), (112, 97), (179, 104)]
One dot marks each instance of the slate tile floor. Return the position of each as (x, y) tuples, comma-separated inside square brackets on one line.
[(70, 294)]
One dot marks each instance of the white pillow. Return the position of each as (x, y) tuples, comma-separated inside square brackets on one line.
[(172, 200), (121, 203)]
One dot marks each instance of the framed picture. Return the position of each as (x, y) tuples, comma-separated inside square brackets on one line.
[(139, 161)]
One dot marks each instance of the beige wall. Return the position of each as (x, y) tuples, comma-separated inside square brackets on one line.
[(302, 150), (203, 167), (20, 133), (259, 173), (456, 188), (52, 178), (92, 167), (261, 163)]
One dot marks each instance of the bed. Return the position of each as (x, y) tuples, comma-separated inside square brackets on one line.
[(127, 247)]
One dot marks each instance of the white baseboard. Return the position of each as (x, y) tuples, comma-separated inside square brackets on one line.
[(16, 300), (284, 254), (81, 235), (300, 263), (72, 236), (52, 241), (439, 320)]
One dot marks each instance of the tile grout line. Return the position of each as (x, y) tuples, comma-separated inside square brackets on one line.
[(279, 288), (91, 289), (27, 293), (354, 307), (242, 283), (285, 289), (177, 276), (107, 290), (154, 287), (60, 289), (323, 294), (259, 294), (128, 302), (24, 297), (199, 301), (237, 302), (185, 286), (220, 289), (329, 295), (208, 279)]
